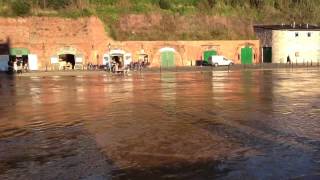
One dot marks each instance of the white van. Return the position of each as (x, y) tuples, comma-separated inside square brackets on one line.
[(220, 61)]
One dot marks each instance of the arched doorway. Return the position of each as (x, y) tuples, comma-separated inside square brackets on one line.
[(143, 57), (246, 55), (119, 57), (167, 57), (19, 56), (69, 59)]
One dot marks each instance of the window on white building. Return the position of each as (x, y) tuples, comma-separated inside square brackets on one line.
[(297, 34), (309, 34)]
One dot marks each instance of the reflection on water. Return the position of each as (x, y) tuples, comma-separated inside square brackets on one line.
[(237, 125)]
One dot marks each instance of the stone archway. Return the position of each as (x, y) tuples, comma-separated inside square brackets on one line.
[(243, 53), (167, 57), (67, 54), (209, 50)]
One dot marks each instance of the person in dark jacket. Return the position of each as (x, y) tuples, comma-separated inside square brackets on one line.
[(288, 59)]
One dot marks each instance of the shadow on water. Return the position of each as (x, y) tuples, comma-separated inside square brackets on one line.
[(177, 126), (182, 170)]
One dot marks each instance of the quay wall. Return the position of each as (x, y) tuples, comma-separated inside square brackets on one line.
[(47, 37)]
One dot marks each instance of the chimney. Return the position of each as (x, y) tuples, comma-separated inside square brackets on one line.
[(307, 26), (294, 24)]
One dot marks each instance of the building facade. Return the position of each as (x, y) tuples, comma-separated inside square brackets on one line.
[(47, 40), (299, 43)]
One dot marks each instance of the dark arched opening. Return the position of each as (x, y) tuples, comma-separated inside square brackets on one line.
[(69, 59), (118, 60)]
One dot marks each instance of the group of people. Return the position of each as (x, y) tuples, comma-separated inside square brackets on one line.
[(138, 65), (117, 66), (17, 65)]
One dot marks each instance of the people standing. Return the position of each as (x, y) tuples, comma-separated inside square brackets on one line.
[(288, 59), (19, 65), (15, 66)]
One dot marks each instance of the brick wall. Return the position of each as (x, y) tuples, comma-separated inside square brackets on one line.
[(45, 36)]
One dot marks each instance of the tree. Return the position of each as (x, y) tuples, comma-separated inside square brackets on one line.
[(21, 7), (58, 4), (164, 4)]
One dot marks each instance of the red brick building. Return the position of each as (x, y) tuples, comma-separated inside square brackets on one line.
[(85, 38)]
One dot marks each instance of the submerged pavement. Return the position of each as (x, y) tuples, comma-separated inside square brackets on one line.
[(257, 124)]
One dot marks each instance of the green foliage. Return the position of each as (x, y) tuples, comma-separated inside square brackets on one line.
[(58, 4), (20, 7), (165, 4), (110, 11)]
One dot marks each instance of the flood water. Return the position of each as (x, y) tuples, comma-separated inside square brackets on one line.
[(191, 125)]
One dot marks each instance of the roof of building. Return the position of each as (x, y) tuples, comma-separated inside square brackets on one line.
[(289, 27)]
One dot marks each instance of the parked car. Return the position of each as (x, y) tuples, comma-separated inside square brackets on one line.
[(202, 63), (220, 61)]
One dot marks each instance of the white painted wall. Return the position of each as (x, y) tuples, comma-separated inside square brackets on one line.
[(286, 43), (33, 62)]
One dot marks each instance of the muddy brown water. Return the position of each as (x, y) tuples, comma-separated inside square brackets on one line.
[(191, 125)]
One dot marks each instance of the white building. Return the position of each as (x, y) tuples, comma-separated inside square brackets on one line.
[(300, 42)]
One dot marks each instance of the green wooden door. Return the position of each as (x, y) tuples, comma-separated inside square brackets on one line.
[(167, 59), (246, 55), (267, 54), (208, 54)]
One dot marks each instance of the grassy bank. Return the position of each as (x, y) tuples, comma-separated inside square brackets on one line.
[(173, 19)]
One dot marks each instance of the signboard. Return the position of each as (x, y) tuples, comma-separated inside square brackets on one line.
[(54, 60), (128, 59), (105, 59), (33, 62), (79, 59)]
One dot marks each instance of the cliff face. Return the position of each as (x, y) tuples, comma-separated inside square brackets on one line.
[(176, 27), (46, 36), (50, 36)]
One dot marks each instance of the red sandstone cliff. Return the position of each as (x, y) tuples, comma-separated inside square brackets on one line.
[(46, 35)]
